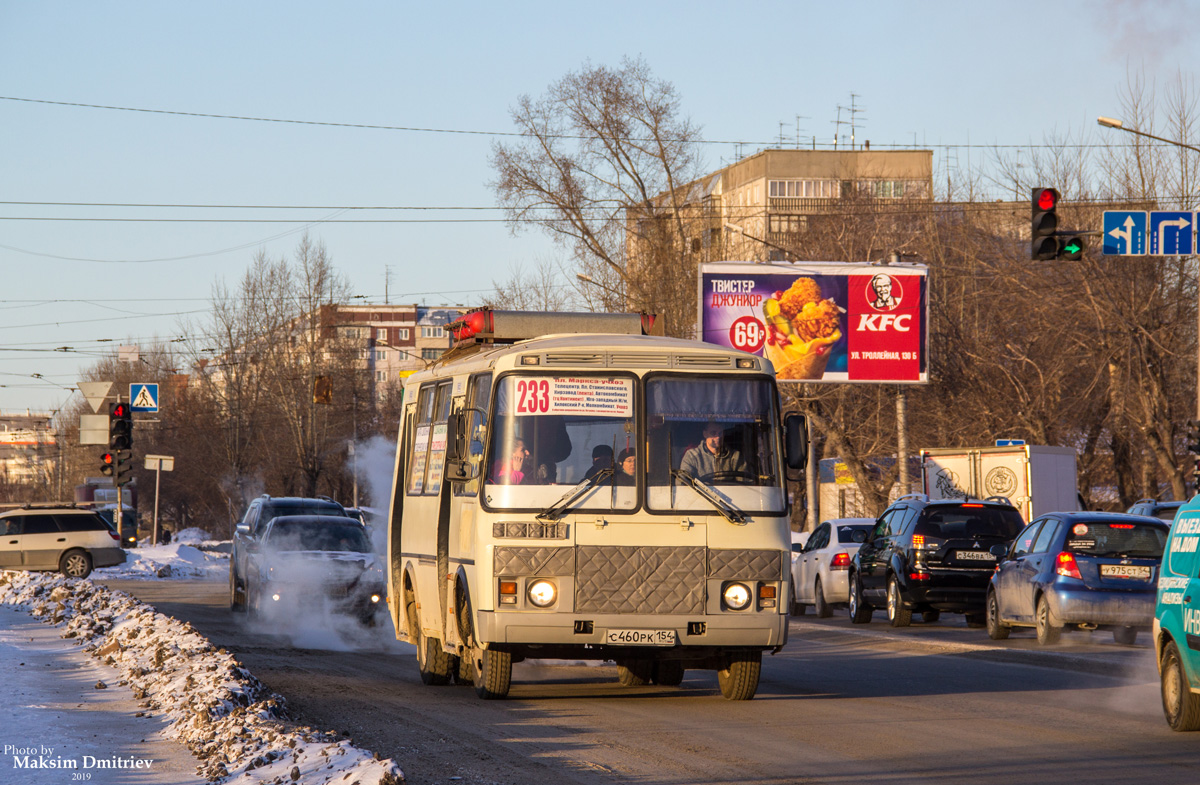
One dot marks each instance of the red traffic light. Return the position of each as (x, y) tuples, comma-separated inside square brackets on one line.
[(1047, 198), (107, 460), (120, 410)]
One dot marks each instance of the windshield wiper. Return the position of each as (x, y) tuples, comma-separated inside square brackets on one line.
[(563, 505), (731, 513)]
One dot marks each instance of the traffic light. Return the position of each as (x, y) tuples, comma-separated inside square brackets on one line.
[(1071, 247), (106, 464), (120, 426), (123, 468), (1044, 223), (1193, 437)]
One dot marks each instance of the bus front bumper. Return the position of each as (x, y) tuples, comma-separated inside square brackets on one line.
[(727, 630)]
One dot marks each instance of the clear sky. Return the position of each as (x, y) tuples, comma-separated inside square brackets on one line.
[(943, 75)]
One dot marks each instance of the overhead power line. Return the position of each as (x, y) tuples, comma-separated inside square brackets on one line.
[(767, 144)]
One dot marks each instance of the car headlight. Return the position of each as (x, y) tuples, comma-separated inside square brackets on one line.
[(542, 593), (737, 596)]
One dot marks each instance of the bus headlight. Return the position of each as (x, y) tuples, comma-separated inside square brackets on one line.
[(737, 596), (542, 593)]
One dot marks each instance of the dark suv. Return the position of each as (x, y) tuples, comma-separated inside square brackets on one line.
[(1164, 511), (246, 537), (931, 556)]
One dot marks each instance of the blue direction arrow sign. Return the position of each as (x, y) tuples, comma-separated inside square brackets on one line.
[(1171, 232), (1009, 442), (1124, 233), (143, 397)]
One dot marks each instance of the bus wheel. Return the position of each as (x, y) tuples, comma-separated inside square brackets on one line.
[(739, 677), (493, 673), (432, 661), (635, 673)]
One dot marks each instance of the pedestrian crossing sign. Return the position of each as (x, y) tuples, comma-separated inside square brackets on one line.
[(143, 397)]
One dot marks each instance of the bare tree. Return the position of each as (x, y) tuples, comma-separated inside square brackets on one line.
[(539, 290), (604, 152)]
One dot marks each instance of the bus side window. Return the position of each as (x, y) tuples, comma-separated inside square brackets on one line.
[(479, 393), (420, 444)]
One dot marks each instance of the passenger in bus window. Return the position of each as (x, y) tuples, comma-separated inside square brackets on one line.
[(626, 466), (712, 457), (602, 458), (511, 471)]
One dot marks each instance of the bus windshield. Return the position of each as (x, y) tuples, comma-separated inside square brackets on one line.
[(553, 432), (720, 431)]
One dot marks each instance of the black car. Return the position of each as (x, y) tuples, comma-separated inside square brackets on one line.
[(927, 556), (314, 563), (245, 538)]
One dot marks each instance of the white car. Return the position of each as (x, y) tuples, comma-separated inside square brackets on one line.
[(798, 541), (69, 540), (819, 573)]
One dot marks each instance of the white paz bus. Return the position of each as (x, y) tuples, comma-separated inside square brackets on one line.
[(597, 493)]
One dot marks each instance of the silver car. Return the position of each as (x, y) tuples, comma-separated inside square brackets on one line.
[(69, 540), (819, 573)]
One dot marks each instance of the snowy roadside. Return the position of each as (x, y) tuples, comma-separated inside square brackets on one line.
[(226, 717), (190, 554)]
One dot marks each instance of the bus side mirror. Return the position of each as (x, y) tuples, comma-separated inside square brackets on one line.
[(795, 440), (456, 469)]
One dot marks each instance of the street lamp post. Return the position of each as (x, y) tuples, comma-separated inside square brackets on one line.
[(589, 279), (1109, 122)]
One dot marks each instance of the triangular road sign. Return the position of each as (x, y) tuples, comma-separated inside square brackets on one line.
[(95, 393)]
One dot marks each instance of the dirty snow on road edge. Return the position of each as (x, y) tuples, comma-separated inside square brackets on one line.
[(225, 716)]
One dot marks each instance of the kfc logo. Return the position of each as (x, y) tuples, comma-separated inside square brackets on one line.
[(879, 322), (884, 293)]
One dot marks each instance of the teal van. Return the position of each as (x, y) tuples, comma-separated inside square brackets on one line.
[(1177, 620)]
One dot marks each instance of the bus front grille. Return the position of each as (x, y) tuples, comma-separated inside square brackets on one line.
[(633, 579)]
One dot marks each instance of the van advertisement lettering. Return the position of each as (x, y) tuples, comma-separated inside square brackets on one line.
[(821, 321)]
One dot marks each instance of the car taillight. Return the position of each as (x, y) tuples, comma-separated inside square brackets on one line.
[(919, 576), (114, 535), (841, 561), (918, 540), (1066, 565)]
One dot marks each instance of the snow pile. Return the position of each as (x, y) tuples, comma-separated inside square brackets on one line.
[(226, 717), (176, 560), (192, 536)]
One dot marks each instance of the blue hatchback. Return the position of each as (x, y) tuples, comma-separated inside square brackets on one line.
[(1090, 570)]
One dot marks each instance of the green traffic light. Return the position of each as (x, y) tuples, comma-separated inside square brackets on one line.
[(1072, 248)]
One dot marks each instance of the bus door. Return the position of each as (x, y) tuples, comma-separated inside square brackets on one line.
[(465, 501), (422, 490)]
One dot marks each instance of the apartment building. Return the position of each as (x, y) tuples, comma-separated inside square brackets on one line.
[(758, 207), (391, 341), (28, 448)]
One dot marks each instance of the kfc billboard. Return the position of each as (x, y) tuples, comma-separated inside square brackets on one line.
[(821, 321)]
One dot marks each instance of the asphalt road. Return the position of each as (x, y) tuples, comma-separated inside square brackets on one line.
[(842, 703)]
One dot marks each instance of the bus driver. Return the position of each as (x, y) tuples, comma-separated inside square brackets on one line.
[(712, 456)]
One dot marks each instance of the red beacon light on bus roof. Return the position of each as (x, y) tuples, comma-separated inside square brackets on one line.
[(471, 324)]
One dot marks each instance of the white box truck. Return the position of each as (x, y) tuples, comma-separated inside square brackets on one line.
[(1036, 479)]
